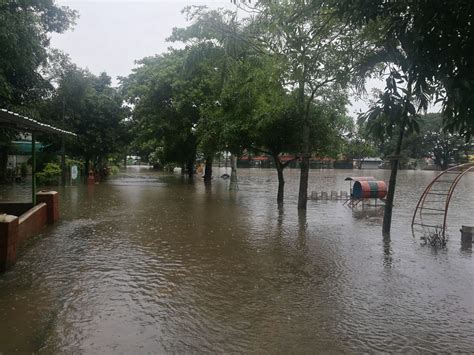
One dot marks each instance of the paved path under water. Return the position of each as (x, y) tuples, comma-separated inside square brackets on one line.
[(150, 263)]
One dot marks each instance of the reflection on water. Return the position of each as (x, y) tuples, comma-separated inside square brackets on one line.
[(151, 263)]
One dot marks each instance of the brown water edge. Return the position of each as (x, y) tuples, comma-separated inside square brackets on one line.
[(151, 263)]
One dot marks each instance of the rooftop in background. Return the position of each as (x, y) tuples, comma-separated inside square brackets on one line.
[(18, 122), (359, 178)]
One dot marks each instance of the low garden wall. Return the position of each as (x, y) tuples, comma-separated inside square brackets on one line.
[(20, 221)]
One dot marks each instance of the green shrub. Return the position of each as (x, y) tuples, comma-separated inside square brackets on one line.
[(114, 170), (50, 175)]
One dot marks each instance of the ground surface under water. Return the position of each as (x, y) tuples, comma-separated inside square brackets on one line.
[(150, 263)]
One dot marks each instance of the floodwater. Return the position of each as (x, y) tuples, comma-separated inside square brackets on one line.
[(150, 263)]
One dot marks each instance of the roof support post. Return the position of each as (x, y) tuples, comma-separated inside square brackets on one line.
[(33, 170)]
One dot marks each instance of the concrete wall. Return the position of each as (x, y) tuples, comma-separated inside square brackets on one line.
[(14, 230), (32, 222)]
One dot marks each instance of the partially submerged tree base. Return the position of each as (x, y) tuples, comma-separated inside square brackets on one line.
[(233, 186), (387, 216), (280, 166), (208, 171), (304, 177)]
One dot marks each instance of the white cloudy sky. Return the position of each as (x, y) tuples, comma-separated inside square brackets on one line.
[(110, 35)]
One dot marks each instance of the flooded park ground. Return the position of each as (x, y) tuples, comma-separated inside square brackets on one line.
[(148, 262)]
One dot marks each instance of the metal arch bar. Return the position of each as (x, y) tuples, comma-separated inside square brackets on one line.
[(423, 196), (450, 194), (422, 199), (428, 188)]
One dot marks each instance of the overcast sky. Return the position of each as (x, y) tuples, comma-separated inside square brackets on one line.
[(111, 35)]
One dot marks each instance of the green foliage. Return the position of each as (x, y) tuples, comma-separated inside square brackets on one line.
[(50, 175), (43, 158), (24, 41), (357, 145), (442, 146), (88, 106), (114, 170), (436, 38), (394, 111), (228, 91), (24, 28)]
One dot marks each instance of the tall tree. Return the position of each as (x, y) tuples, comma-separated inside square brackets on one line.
[(395, 114), (169, 100), (87, 105), (317, 52), (219, 37)]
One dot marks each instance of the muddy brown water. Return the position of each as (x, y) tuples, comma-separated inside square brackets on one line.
[(150, 263)]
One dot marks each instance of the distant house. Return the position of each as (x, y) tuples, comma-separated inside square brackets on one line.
[(367, 163), (21, 152)]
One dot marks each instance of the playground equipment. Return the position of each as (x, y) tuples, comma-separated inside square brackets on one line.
[(431, 212), (362, 189), (365, 188)]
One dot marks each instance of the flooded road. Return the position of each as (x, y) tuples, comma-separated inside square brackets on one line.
[(150, 263)]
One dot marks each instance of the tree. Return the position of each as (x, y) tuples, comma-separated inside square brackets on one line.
[(87, 105), (24, 29), (357, 145), (437, 40), (218, 38), (317, 52), (24, 40), (169, 100), (258, 114), (395, 114), (444, 147)]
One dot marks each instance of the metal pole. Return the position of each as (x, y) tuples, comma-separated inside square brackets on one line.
[(63, 150), (33, 170)]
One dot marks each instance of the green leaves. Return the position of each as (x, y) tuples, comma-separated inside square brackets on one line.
[(436, 41)]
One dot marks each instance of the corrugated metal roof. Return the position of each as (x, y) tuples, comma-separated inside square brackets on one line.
[(24, 147), (18, 122)]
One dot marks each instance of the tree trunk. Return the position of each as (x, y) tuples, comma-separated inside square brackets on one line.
[(387, 217), (190, 168), (281, 179), (304, 168), (86, 168), (3, 164), (208, 170), (233, 175)]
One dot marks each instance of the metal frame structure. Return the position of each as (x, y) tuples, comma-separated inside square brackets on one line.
[(17, 122), (442, 185)]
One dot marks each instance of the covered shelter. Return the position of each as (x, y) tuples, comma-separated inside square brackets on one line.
[(17, 122)]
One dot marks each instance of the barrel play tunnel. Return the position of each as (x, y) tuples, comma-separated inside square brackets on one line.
[(369, 189), (363, 188)]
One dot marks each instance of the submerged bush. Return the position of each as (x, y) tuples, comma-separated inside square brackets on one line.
[(435, 238), (50, 175)]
